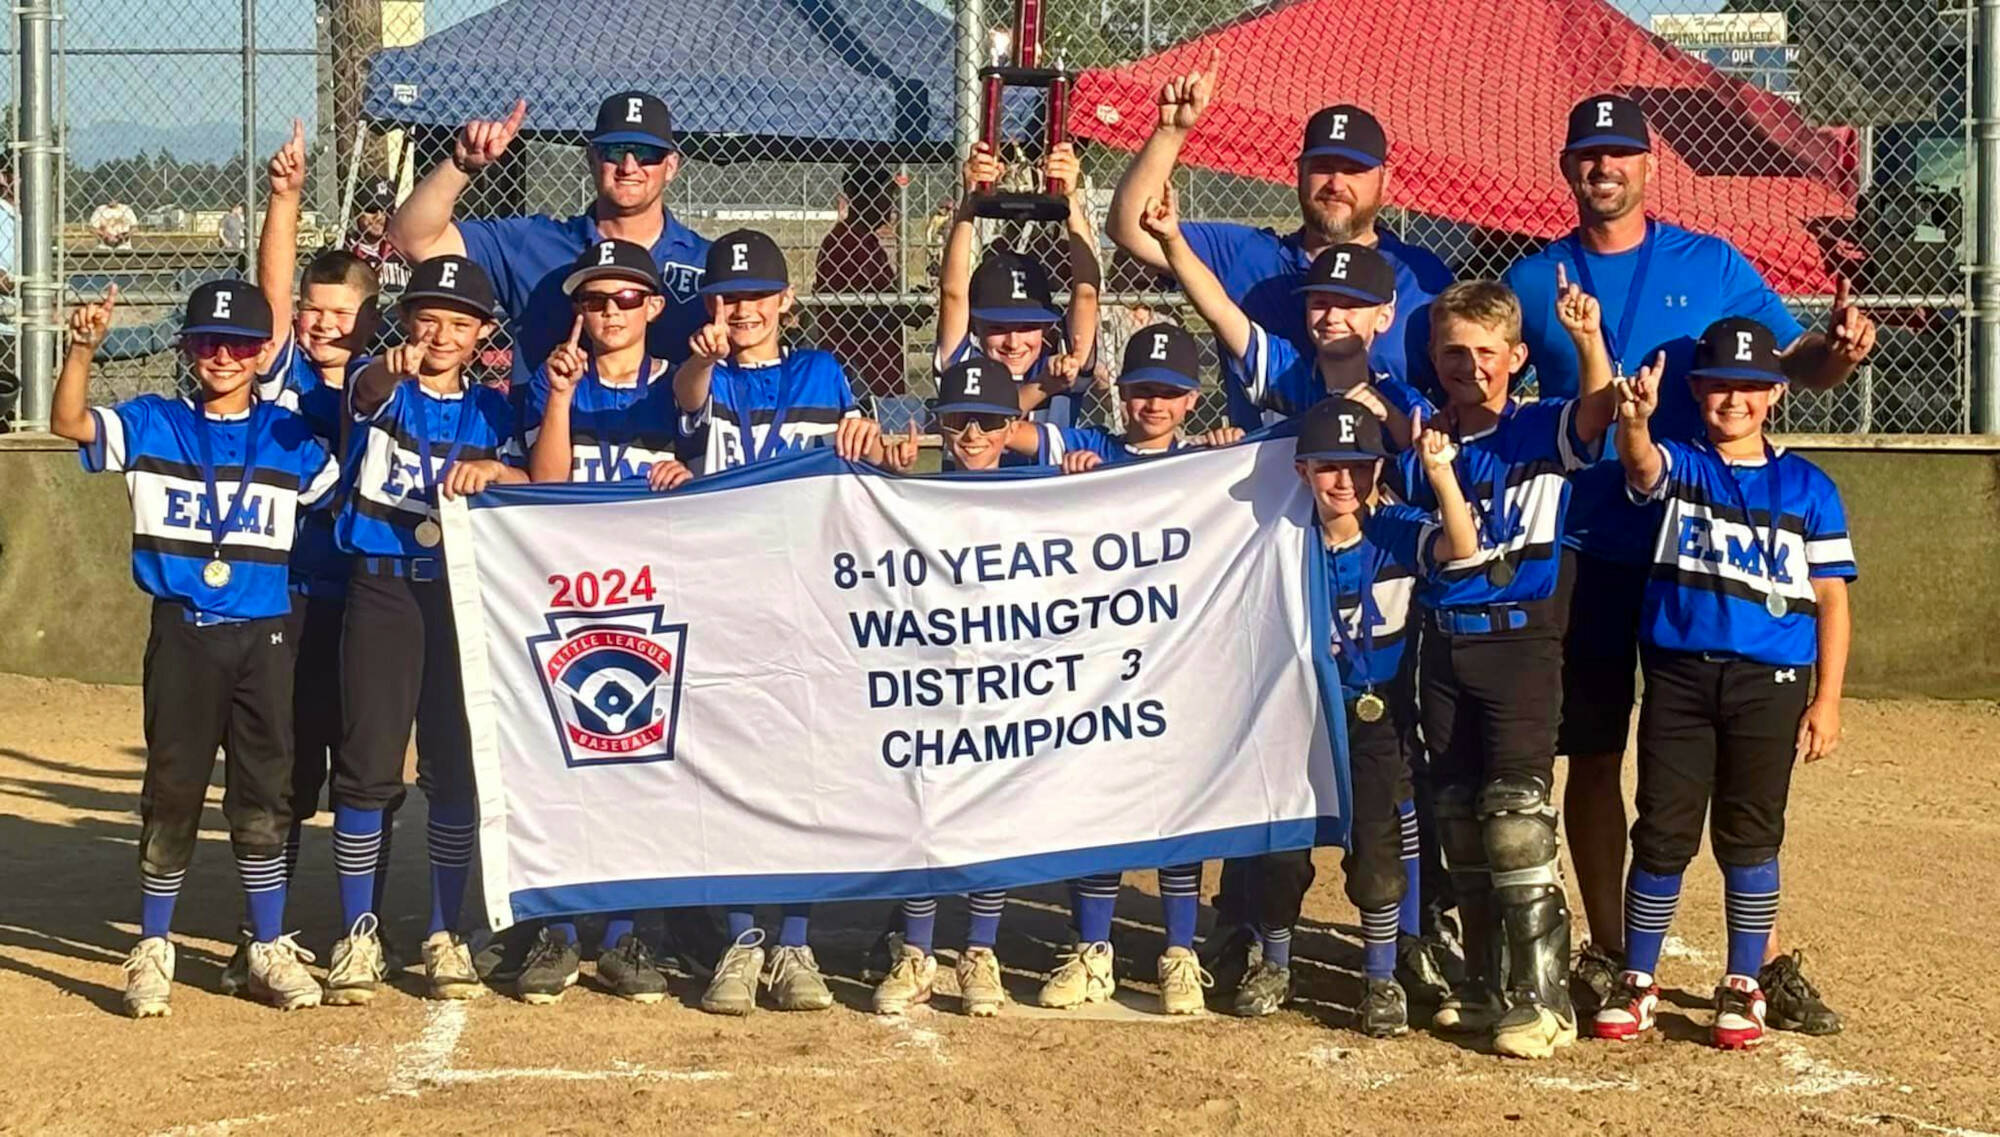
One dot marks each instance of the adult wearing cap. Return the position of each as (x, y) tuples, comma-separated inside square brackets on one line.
[(1342, 177), (1659, 286), (369, 238), (632, 157)]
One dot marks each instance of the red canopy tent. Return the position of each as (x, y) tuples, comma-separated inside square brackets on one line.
[(1475, 96)]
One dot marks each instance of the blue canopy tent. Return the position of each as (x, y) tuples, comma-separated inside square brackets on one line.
[(788, 79)]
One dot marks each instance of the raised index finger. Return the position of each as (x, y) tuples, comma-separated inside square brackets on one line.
[(1562, 277), (515, 116), (576, 332), (1840, 292), (110, 299)]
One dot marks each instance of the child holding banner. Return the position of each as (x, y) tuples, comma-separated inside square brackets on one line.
[(1159, 384)]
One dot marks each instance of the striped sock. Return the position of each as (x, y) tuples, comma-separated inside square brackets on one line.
[(1378, 941), (157, 893), (920, 923), (451, 841), (1277, 944), (1410, 914), (293, 837), (357, 841), (617, 926), (381, 884), (1750, 908), (1096, 902), (792, 929), (982, 918), (1180, 903), (1650, 902), (263, 880)]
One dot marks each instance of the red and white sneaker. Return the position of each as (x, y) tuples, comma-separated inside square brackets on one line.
[(1739, 1013), (1628, 1013)]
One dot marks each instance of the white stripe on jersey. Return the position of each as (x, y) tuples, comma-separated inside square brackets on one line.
[(1694, 539), (1830, 551), (1392, 604), (111, 432), (391, 476)]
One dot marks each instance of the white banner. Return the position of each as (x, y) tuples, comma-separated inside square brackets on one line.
[(807, 680)]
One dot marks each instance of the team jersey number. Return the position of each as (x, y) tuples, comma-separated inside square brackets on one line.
[(607, 588)]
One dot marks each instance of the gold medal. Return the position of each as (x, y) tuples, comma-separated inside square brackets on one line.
[(215, 574), (429, 534), (1370, 707)]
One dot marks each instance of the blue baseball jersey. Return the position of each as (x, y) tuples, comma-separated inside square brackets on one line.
[(389, 495), (802, 396), (1262, 273), (1058, 410), (1057, 441), (1691, 280), (1370, 589), (157, 444), (616, 431), (528, 257), (1717, 559), (1527, 459), (319, 567), (1275, 376)]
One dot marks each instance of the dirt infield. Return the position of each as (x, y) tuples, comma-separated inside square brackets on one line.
[(1887, 845)]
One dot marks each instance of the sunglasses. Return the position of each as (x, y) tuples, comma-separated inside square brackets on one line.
[(202, 345), (625, 299), (643, 153), (958, 422)]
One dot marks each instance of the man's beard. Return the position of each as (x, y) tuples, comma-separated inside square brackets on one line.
[(1321, 221)]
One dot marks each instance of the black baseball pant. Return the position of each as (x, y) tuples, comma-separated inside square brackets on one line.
[(226, 686), (399, 666), (1489, 705), (1717, 736)]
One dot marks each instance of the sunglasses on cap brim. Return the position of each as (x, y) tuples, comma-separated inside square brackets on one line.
[(625, 299), (643, 153), (205, 344)]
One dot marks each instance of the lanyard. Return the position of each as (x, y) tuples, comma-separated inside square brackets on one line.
[(460, 435), (612, 460), (1617, 344), (1494, 519), (774, 439), (1366, 615), (218, 521), (1767, 541)]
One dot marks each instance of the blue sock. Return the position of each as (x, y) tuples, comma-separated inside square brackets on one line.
[(450, 832), (1410, 915), (741, 920), (1277, 945), (616, 927), (920, 923), (357, 839), (1650, 901), (1180, 903), (1096, 900), (982, 926), (1378, 941), (157, 893), (564, 928), (1750, 908), (263, 879), (293, 838), (792, 930), (382, 862)]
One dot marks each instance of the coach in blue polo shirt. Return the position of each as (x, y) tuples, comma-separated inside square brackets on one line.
[(1659, 286), (632, 157), (1342, 173)]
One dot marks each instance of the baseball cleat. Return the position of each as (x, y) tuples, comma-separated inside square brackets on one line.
[(908, 982), (1420, 968), (1182, 982), (448, 968), (236, 975), (795, 981), (1739, 1013), (629, 971), (1628, 1013), (1532, 1030), (1263, 991), (1793, 1003), (1384, 1011), (980, 992), (278, 976), (149, 978), (1082, 975), (355, 969), (500, 959), (1595, 980), (1469, 1009), (1226, 956), (552, 967), (732, 990)]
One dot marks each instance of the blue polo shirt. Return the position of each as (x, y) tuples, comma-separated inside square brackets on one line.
[(528, 257), (1691, 281), (1262, 273)]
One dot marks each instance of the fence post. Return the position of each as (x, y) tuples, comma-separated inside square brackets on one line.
[(35, 283), (1986, 265), (969, 21), (250, 166)]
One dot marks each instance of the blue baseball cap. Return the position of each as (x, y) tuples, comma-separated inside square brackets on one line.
[(1008, 288), (1607, 122), (744, 260), (634, 116), (976, 385), (1162, 353), (1346, 131), (1340, 430), (227, 308), (1358, 273), (1740, 348)]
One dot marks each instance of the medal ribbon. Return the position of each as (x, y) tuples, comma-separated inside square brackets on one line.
[(1767, 540), (218, 522), (1616, 344), (1366, 614), (614, 460), (774, 439), (460, 435)]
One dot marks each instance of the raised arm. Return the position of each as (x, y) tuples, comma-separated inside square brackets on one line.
[(1583, 318), (278, 247), (421, 227), (1182, 101), (69, 410), (1086, 276), (1458, 537), (549, 459), (1162, 220), (1637, 399), (708, 346), (954, 313), (1821, 360)]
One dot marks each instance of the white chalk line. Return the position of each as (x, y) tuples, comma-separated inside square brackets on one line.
[(424, 1060)]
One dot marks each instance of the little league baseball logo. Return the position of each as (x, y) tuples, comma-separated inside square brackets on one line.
[(613, 682)]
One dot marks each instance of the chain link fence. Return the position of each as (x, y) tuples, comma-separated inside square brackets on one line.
[(1822, 137)]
